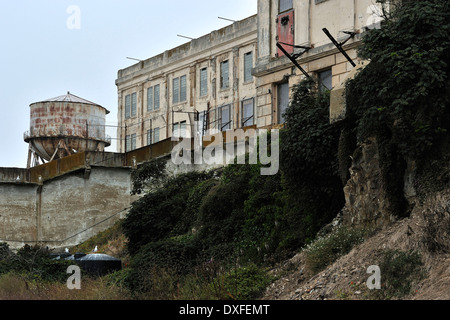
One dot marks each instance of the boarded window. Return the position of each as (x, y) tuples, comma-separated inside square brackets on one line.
[(247, 113), (224, 75), (203, 82), (285, 32), (127, 107), (133, 105), (248, 65), (285, 5)]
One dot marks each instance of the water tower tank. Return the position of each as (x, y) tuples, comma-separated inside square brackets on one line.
[(65, 125)]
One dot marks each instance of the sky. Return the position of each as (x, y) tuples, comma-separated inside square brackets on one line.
[(50, 47)]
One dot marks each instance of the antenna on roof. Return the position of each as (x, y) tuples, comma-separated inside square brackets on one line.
[(179, 35), (226, 19), (135, 59)]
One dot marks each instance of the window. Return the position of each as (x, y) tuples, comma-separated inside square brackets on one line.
[(152, 136), (179, 129), (127, 107), (285, 5), (201, 125), (127, 143), (283, 100), (153, 98), (224, 75), (247, 113), (225, 120), (182, 88), (203, 82), (133, 141), (133, 105), (179, 89), (156, 135), (325, 78), (248, 65), (130, 106), (149, 137), (130, 142)]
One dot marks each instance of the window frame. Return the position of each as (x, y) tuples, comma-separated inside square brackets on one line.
[(248, 77), (220, 122), (245, 120), (203, 87), (180, 94), (153, 102), (280, 10), (225, 84), (330, 76)]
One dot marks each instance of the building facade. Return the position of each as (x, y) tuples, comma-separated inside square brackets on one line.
[(239, 76), (204, 84)]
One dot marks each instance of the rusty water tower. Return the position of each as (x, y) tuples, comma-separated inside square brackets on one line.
[(65, 125)]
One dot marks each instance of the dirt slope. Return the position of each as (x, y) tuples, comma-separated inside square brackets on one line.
[(427, 231)]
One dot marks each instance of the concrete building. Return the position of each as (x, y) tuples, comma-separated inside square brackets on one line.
[(207, 80), (235, 77)]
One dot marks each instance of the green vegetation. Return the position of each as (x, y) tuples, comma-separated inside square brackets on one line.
[(400, 271), (212, 235), (325, 250), (402, 96)]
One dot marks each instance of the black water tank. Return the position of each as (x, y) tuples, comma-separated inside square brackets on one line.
[(99, 264)]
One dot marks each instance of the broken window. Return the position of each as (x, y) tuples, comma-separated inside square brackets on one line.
[(248, 65), (203, 82), (224, 75)]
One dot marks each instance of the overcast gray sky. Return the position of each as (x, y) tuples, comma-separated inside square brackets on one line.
[(47, 49)]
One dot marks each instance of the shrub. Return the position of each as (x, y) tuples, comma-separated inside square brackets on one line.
[(325, 250), (399, 270), (245, 283)]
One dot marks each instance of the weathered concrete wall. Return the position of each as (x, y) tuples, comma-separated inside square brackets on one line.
[(64, 211), (18, 203)]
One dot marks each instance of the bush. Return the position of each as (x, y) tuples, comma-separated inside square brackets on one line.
[(155, 216), (325, 250), (399, 270), (245, 283)]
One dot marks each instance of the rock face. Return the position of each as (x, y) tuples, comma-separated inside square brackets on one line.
[(366, 202)]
